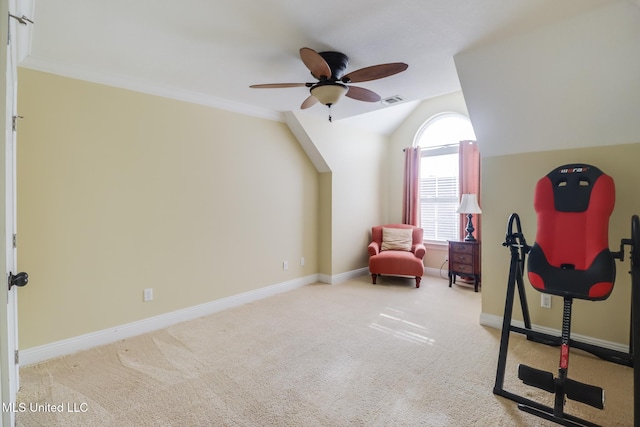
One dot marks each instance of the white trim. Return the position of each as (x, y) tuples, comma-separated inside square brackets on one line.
[(343, 277), (437, 245), (107, 336), (494, 321), (124, 82), (324, 278), (430, 271), (437, 117)]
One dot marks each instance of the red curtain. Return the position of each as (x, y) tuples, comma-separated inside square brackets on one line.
[(469, 175), (411, 190)]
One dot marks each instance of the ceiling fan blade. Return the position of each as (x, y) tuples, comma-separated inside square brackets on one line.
[(309, 102), (362, 94), (375, 72), (315, 63), (279, 85)]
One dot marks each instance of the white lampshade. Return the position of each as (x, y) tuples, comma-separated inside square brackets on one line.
[(329, 94), (469, 205)]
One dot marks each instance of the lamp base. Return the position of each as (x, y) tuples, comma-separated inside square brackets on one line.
[(469, 237)]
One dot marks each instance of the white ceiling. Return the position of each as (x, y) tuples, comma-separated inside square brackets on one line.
[(210, 51)]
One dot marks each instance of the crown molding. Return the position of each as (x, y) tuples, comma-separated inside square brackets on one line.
[(147, 87)]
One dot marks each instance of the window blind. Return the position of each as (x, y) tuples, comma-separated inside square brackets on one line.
[(438, 205)]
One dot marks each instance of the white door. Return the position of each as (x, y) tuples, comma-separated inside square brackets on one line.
[(9, 379)]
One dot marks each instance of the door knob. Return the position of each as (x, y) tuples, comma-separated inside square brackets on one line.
[(19, 279)]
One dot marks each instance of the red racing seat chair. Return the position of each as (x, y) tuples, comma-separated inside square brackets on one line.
[(571, 256), (571, 259)]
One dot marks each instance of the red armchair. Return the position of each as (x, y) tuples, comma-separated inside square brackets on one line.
[(396, 250)]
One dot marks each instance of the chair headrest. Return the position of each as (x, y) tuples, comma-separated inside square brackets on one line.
[(572, 186)]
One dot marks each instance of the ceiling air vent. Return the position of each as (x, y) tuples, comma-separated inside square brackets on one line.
[(392, 100)]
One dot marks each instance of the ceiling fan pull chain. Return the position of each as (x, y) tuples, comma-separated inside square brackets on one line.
[(329, 105)]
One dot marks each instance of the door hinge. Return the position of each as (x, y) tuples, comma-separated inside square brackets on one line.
[(17, 357), (21, 19), (14, 122), (15, 241)]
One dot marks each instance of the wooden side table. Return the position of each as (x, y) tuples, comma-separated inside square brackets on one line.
[(464, 261)]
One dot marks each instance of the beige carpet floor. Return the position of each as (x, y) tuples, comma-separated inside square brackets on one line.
[(352, 354)]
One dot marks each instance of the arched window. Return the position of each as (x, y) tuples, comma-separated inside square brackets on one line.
[(439, 139)]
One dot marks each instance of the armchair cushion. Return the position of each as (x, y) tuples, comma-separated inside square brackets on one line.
[(396, 239)]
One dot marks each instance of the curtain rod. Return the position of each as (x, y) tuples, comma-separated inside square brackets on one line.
[(436, 147)]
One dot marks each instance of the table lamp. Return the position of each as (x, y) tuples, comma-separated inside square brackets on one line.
[(469, 206)]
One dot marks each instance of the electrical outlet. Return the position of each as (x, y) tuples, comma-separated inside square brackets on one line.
[(302, 261), (545, 301), (147, 294), (285, 265)]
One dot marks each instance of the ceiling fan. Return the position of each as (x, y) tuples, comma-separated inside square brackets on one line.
[(328, 68)]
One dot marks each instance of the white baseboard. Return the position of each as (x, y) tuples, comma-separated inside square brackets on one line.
[(338, 278), (494, 321), (428, 271), (68, 346), (343, 277), (435, 272)]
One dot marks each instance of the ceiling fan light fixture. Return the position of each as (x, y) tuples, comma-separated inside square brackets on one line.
[(328, 68), (329, 93)]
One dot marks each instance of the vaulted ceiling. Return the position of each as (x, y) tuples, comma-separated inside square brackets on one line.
[(211, 51)]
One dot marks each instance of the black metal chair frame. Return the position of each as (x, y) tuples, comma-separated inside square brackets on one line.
[(562, 386)]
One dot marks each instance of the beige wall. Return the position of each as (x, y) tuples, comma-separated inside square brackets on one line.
[(508, 185), (324, 226), (358, 190), (121, 191)]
